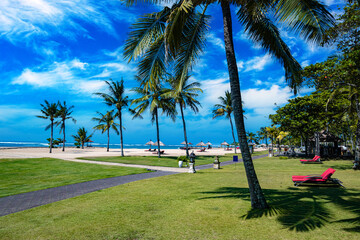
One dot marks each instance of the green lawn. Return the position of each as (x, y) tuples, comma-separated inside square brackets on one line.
[(164, 161), (211, 204), (25, 175)]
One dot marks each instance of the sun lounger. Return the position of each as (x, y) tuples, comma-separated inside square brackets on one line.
[(202, 150), (316, 159), (316, 180)]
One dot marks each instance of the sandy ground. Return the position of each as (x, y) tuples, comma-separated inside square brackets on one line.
[(72, 153)]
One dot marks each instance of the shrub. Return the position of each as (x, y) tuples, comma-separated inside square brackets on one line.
[(183, 158)]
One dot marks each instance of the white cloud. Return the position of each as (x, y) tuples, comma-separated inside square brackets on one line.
[(305, 63), (21, 19), (72, 74), (258, 63), (216, 41)]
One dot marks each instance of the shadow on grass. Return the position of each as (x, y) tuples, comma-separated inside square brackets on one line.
[(301, 210)]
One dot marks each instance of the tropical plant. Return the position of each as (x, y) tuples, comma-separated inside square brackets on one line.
[(116, 98), (55, 142), (153, 99), (82, 137), (309, 18), (225, 109), (263, 134), (184, 94), (106, 122), (50, 111), (64, 114), (272, 133)]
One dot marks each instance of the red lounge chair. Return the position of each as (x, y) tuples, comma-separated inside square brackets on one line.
[(316, 159), (202, 150), (315, 180)]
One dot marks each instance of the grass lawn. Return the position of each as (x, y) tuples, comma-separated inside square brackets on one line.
[(164, 161), (25, 175), (211, 204)]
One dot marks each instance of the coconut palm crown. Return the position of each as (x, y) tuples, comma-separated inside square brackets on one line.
[(50, 111), (64, 114)]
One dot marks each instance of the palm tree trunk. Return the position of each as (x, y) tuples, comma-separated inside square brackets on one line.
[(232, 131), (183, 120), (63, 137), (121, 133), (51, 135), (82, 144), (257, 197), (108, 136), (157, 131), (357, 132)]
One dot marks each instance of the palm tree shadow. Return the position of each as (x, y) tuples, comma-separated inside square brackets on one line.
[(297, 209)]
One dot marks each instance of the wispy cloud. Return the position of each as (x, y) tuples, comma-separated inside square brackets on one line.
[(216, 41), (258, 63)]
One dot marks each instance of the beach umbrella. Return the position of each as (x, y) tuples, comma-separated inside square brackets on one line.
[(183, 142), (225, 143), (161, 143), (150, 143), (208, 143), (201, 144)]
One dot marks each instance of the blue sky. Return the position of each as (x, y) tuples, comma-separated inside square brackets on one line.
[(65, 49)]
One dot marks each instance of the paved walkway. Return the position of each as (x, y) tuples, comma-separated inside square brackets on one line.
[(23, 201)]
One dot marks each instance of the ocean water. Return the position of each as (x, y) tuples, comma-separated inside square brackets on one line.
[(70, 144)]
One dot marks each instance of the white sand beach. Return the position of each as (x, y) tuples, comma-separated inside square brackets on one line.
[(73, 153)]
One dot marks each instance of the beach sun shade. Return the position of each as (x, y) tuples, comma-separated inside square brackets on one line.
[(201, 144), (161, 143), (184, 142), (208, 143), (150, 143), (224, 143)]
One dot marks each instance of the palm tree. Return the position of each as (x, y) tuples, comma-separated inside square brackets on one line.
[(273, 132), (309, 18), (50, 111), (153, 99), (184, 94), (106, 122), (116, 98), (64, 114), (263, 134), (252, 138), (82, 136), (225, 109)]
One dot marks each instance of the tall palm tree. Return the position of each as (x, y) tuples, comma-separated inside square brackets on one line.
[(225, 109), (106, 122), (263, 134), (116, 97), (184, 94), (64, 114), (154, 100), (273, 132), (82, 136), (252, 138), (50, 111), (309, 18)]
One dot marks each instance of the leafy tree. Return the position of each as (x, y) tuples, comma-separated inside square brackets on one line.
[(116, 98), (252, 138), (49, 111), (106, 122), (308, 18), (154, 100), (55, 142), (340, 74), (64, 114), (184, 94), (302, 117), (272, 132), (82, 137), (263, 134), (225, 109)]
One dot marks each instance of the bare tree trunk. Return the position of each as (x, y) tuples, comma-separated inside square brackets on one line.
[(357, 135), (185, 136), (157, 132), (232, 131), (51, 135), (63, 137), (121, 133), (108, 137), (257, 197)]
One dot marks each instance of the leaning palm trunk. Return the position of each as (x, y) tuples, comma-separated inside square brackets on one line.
[(108, 138), (232, 131), (183, 120), (157, 132), (63, 138), (257, 197), (51, 135), (121, 134)]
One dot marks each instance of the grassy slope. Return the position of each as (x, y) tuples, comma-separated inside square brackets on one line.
[(164, 161), (206, 205), (24, 175)]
